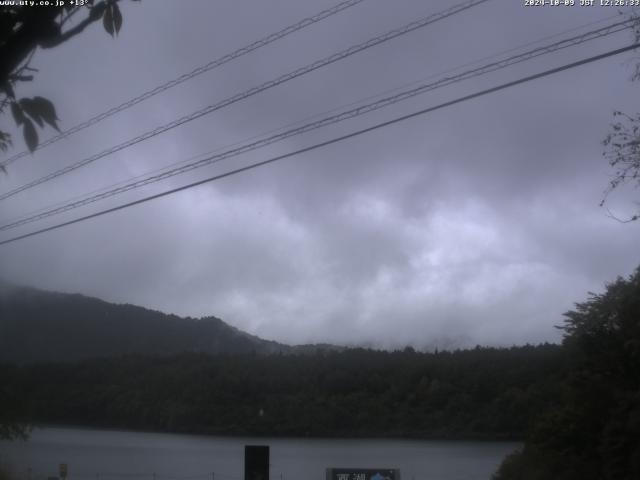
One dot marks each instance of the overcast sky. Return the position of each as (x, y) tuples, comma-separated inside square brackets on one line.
[(478, 223)]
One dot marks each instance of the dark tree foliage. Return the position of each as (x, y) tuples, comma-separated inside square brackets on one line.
[(229, 377), (14, 422), (593, 431), (23, 29), (480, 393)]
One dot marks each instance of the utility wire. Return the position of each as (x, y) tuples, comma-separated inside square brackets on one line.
[(311, 117), (253, 91), (187, 76), (348, 114), (331, 141), (314, 125)]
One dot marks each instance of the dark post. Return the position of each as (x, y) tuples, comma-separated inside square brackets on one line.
[(256, 462)]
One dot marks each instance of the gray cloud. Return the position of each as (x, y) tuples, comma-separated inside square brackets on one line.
[(475, 224)]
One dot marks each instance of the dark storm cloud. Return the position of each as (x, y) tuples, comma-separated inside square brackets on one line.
[(475, 224)]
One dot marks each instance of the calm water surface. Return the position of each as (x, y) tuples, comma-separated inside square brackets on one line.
[(116, 455)]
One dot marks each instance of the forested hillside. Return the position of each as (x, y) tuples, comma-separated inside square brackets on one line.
[(40, 326), (577, 405), (479, 393)]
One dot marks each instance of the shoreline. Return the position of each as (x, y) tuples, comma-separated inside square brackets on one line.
[(275, 436)]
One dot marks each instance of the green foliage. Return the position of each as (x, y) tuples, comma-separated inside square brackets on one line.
[(593, 430)]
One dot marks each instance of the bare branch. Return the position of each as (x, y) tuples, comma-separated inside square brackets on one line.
[(618, 219)]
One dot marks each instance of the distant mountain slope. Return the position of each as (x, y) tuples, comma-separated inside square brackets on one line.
[(41, 326)]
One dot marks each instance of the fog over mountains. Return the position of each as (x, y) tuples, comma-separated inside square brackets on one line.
[(43, 326)]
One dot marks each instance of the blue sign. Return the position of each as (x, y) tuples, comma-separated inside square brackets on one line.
[(363, 474)]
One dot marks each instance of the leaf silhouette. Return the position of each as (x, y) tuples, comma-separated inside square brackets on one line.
[(6, 86), (107, 21), (18, 116), (46, 111), (30, 135), (117, 17), (30, 107)]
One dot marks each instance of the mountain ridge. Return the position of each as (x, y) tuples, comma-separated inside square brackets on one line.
[(46, 326)]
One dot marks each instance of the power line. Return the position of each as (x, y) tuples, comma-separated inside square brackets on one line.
[(329, 142), (316, 115), (197, 71), (326, 121), (253, 91), (123, 182), (348, 114)]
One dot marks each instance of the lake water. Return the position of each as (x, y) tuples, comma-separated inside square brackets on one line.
[(116, 455)]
